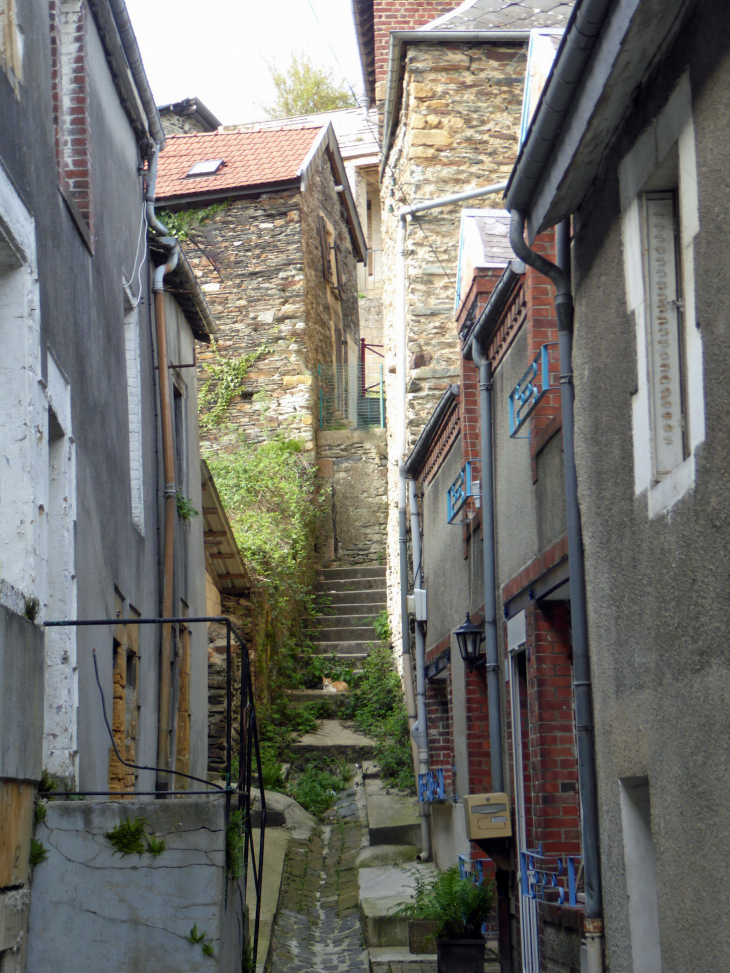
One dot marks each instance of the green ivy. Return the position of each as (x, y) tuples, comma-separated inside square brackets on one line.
[(181, 222), (227, 375)]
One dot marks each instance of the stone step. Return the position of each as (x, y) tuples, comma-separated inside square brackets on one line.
[(374, 598), (333, 701), (393, 817), (344, 649), (352, 571), (334, 738), (382, 890), (327, 622), (349, 633), (352, 584), (366, 609)]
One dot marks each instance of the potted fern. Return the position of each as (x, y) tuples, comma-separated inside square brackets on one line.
[(458, 907)]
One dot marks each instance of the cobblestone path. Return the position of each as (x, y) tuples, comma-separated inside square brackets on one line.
[(317, 926)]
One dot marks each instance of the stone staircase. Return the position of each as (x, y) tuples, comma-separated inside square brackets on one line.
[(350, 596)]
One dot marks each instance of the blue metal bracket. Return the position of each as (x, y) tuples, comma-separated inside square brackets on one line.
[(458, 493), (431, 786), (526, 395)]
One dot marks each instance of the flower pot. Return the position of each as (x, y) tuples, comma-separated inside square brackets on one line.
[(460, 955), (422, 935)]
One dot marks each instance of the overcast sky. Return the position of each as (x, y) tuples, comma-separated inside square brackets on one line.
[(217, 51)]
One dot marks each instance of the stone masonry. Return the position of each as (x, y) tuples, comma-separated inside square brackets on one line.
[(353, 471), (260, 265), (458, 129)]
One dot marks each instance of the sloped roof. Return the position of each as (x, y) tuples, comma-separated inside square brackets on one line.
[(356, 130), (249, 159), (504, 15)]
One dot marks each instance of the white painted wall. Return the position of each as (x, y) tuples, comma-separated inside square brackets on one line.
[(23, 414), (672, 128), (641, 875)]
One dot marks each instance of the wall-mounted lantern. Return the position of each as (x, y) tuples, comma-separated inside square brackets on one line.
[(469, 638)]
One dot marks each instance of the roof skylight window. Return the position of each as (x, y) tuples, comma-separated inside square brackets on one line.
[(207, 168)]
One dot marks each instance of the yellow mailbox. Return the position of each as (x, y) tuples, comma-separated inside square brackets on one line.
[(487, 816)]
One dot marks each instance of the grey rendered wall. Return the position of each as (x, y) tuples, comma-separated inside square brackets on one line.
[(98, 910), (657, 589), (448, 576), (189, 548), (449, 579), (515, 510)]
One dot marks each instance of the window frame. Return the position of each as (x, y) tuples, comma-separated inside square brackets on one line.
[(639, 171)]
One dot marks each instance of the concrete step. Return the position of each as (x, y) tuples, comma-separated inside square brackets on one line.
[(352, 584), (368, 609), (333, 701), (374, 598), (389, 958), (393, 817), (335, 739), (352, 571), (382, 890), (348, 633), (343, 621), (345, 649)]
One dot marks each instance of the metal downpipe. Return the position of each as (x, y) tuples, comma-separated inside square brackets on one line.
[(421, 734), (170, 493), (490, 597), (560, 276)]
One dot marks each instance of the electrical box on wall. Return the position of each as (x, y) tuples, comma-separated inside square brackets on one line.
[(487, 816)]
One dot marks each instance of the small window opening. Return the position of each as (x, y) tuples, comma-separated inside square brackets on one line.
[(208, 167)]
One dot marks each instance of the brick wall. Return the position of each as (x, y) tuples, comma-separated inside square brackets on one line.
[(439, 717), (552, 733), (69, 94), (401, 15)]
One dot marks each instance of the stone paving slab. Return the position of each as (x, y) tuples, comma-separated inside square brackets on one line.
[(317, 927), (336, 739)]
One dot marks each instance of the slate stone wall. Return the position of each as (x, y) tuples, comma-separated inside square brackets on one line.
[(352, 469), (260, 265), (458, 129), (250, 265)]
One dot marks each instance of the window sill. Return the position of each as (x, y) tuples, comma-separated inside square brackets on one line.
[(672, 488)]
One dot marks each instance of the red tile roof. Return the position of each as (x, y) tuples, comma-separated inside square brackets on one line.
[(250, 159)]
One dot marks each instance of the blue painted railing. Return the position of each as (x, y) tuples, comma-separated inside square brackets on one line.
[(550, 877), (526, 395), (458, 493), (431, 786)]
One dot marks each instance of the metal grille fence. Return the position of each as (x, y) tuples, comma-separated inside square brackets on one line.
[(351, 396)]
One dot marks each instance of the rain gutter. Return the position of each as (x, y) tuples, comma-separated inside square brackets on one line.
[(576, 47)]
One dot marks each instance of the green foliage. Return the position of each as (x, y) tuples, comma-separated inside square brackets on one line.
[(268, 490), (226, 380), (155, 847), (47, 784), (39, 813), (376, 704), (32, 607), (381, 624), (127, 837), (234, 845), (317, 789), (195, 936), (209, 949), (185, 507), (247, 964), (38, 852), (183, 222), (303, 88), (459, 905)]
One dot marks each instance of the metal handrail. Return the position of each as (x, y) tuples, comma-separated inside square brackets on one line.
[(247, 752)]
